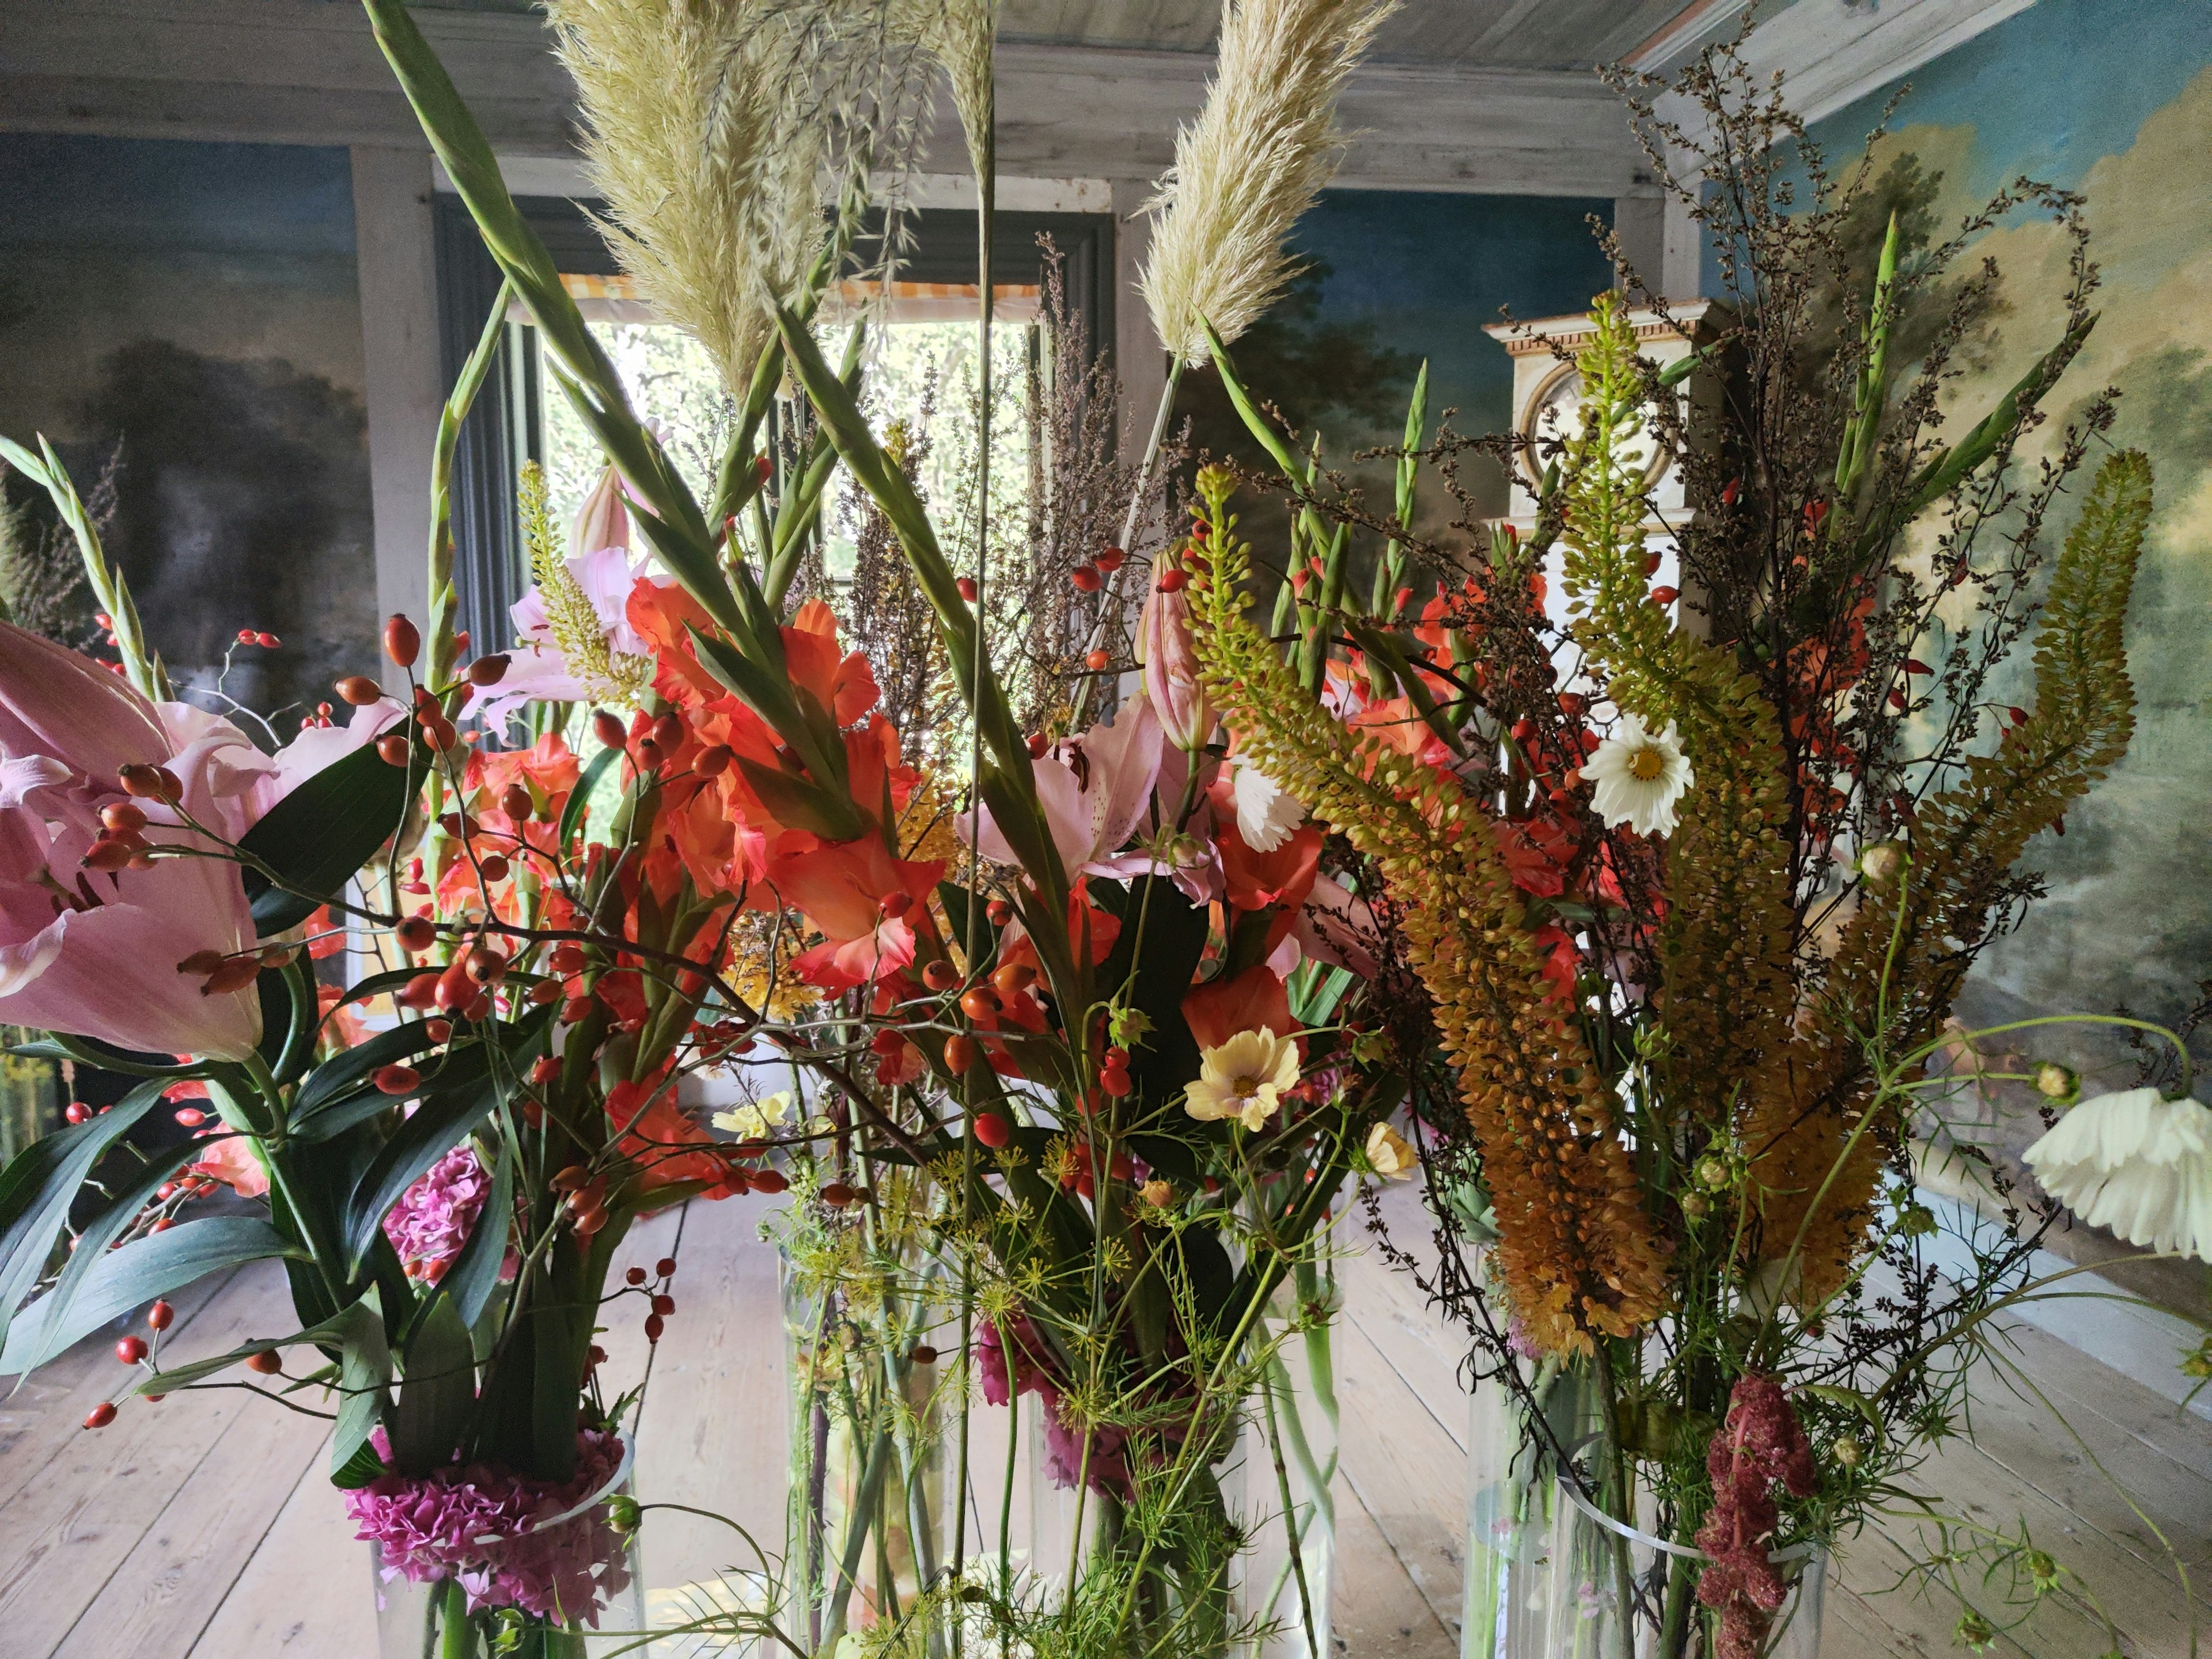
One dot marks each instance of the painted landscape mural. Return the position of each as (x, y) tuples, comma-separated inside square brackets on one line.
[(2121, 111), (185, 318)]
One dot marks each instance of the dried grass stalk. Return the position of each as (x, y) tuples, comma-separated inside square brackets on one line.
[(1259, 153), (710, 172)]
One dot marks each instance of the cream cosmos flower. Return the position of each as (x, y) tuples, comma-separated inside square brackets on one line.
[(1389, 1155), (2136, 1163), (1245, 1078), (756, 1121), (1639, 775)]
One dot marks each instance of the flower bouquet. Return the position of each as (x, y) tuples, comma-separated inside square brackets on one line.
[(426, 1014), (1692, 879)]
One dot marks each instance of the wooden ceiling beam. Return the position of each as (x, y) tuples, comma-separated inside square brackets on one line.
[(293, 71)]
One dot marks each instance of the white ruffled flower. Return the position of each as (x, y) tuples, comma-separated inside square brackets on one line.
[(1265, 812), (2136, 1163), (1640, 776), (1245, 1078)]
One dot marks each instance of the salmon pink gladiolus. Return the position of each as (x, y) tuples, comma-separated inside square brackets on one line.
[(841, 887)]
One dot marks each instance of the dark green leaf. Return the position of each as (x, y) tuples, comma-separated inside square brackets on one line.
[(364, 1368), (580, 797), (136, 1274), (332, 1333), (37, 1188), (475, 1272), (341, 1072), (438, 1125), (439, 1393), (319, 834)]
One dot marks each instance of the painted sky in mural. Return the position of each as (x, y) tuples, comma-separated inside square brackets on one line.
[(1394, 277), (2121, 111)]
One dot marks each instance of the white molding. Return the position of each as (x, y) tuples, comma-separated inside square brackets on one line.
[(1834, 53), (402, 392)]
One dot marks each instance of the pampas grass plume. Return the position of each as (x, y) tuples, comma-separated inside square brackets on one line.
[(1262, 149), (711, 185)]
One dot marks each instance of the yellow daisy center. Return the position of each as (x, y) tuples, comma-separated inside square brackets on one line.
[(1245, 1088), (1646, 765)]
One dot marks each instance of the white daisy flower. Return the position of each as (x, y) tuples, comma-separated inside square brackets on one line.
[(1640, 775), (1266, 813), (2136, 1163)]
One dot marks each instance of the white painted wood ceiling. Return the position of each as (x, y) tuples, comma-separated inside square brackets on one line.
[(1555, 34)]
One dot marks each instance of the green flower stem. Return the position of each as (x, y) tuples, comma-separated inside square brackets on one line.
[(45, 469), (442, 450), (1289, 1515)]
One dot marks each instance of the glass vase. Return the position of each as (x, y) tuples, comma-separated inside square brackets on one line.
[(1550, 1575), (433, 1619), (866, 1512), (1281, 1585), (1251, 1574)]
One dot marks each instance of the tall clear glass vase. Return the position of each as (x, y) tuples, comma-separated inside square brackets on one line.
[(1552, 1575), (1281, 1590), (868, 1504), (1243, 1563)]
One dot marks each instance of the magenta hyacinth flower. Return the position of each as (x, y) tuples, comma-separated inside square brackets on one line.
[(434, 1218), (481, 1524)]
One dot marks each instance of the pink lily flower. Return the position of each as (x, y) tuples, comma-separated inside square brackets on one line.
[(1094, 789), (95, 953), (1170, 665)]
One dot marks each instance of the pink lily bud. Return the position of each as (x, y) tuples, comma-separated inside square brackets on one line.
[(603, 521), (1171, 665)]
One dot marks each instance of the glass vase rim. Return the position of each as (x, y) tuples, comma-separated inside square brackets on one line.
[(1801, 1550)]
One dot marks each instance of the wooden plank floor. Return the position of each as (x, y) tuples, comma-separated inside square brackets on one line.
[(205, 1526)]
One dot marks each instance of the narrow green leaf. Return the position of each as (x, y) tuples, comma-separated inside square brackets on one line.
[(475, 1272), (331, 1333), (342, 1072), (430, 1420), (856, 444), (438, 1125), (318, 836), (136, 1275), (43, 1180)]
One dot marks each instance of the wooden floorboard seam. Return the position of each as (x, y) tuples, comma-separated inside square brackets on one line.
[(150, 1523), (275, 1514)]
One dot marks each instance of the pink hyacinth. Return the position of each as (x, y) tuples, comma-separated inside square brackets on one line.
[(434, 1218), (473, 1523)]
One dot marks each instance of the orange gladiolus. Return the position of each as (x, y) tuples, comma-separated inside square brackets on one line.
[(840, 888)]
